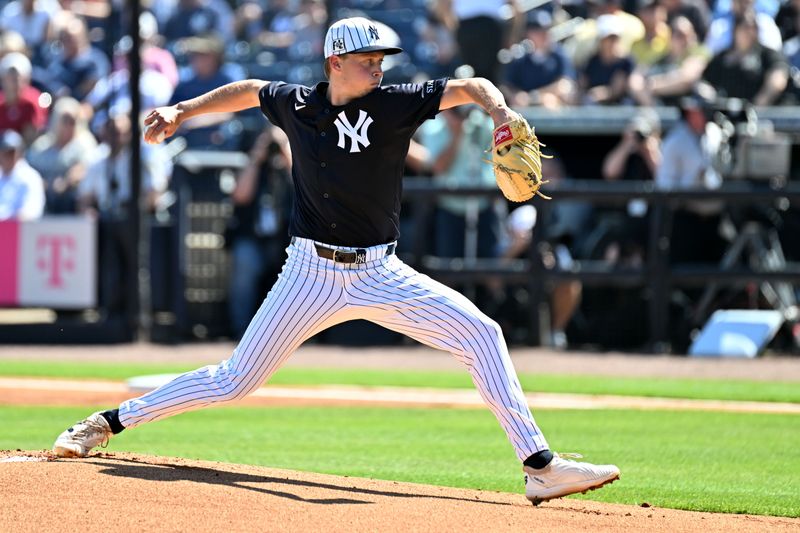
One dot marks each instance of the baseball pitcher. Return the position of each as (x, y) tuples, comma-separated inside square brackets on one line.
[(349, 136)]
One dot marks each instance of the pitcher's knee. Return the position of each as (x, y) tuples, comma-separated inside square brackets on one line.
[(233, 384), (485, 331)]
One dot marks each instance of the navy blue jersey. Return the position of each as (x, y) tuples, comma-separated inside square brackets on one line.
[(348, 161)]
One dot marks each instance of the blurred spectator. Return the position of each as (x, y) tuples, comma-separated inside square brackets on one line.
[(162, 10), (696, 11), (62, 154), (480, 32), (676, 74), (454, 142), (437, 50), (29, 19), (655, 43), (309, 26), (106, 189), (77, 67), (638, 153), (154, 57), (223, 17), (619, 235), (691, 157), (105, 193), (544, 75), (21, 187), (21, 108), (791, 51), (748, 70), (604, 79), (721, 33), (257, 232), (111, 94), (206, 56), (292, 30), (247, 21), (723, 7), (583, 45), (195, 17), (786, 19), (270, 24)]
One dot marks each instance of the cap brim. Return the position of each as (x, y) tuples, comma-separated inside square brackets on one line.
[(388, 50)]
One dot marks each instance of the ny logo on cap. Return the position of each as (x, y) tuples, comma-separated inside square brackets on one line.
[(373, 33), (357, 133)]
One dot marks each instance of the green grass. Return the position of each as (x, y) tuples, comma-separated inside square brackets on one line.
[(709, 389), (735, 463)]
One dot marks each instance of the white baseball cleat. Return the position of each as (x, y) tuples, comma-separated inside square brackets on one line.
[(563, 477), (78, 440)]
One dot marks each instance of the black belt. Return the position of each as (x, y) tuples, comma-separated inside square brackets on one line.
[(358, 255)]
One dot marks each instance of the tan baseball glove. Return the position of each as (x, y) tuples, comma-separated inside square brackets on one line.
[(517, 160)]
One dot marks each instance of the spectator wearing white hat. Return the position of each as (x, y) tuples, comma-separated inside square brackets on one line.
[(604, 79), (583, 44), (20, 108), (21, 187)]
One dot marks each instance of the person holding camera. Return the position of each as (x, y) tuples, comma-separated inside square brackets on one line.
[(638, 152), (635, 157), (618, 237)]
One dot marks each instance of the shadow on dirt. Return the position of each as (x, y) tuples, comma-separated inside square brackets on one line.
[(129, 468)]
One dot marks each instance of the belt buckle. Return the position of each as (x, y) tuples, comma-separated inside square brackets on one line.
[(358, 257)]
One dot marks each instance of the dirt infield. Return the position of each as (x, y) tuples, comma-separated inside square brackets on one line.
[(125, 492)]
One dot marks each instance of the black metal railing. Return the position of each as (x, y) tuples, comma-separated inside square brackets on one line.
[(657, 274)]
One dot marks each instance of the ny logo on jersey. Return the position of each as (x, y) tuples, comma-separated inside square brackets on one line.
[(357, 133)]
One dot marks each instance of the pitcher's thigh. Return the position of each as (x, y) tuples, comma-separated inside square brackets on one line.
[(430, 312)]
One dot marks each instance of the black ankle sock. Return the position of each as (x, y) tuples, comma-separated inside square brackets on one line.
[(539, 460), (112, 417)]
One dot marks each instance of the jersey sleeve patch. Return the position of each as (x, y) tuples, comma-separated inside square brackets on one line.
[(420, 101)]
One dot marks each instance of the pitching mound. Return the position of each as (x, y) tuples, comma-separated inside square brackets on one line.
[(127, 492)]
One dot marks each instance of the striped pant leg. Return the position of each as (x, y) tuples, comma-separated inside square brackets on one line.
[(401, 299), (306, 299)]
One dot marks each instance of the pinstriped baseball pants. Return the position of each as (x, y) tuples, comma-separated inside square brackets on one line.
[(313, 294)]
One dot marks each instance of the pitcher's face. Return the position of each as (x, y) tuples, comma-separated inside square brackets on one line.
[(361, 73)]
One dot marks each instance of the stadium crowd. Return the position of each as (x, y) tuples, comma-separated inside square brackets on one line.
[(65, 109)]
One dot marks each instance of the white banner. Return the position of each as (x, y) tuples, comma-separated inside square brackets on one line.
[(58, 263)]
